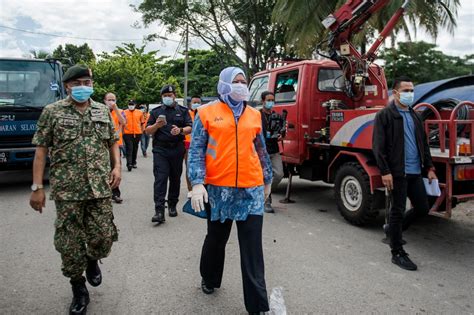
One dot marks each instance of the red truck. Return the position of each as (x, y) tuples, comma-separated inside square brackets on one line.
[(330, 107)]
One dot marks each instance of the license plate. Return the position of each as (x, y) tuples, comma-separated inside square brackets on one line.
[(3, 157)]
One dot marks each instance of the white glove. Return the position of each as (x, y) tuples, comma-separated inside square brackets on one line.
[(198, 197), (267, 190)]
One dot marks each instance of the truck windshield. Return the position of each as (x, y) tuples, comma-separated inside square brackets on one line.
[(28, 83)]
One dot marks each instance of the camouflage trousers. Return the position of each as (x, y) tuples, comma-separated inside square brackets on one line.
[(83, 229)]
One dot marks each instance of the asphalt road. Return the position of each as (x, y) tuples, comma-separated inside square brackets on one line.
[(323, 264)]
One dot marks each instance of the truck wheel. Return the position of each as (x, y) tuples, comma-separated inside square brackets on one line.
[(353, 197)]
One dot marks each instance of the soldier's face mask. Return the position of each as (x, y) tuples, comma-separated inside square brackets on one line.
[(168, 101), (81, 93)]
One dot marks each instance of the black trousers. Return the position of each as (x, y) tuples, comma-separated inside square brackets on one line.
[(251, 259), (413, 187), (131, 148), (167, 164)]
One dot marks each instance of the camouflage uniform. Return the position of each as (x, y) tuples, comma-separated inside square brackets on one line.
[(79, 175)]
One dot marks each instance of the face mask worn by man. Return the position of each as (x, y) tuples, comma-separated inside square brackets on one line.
[(131, 107), (195, 105), (168, 101), (407, 98), (269, 104), (110, 104), (81, 93)]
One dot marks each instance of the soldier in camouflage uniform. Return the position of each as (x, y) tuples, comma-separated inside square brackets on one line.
[(80, 136)]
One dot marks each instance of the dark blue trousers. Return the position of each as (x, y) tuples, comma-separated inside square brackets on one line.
[(167, 165)]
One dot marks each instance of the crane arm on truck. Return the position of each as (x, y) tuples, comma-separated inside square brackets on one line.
[(347, 21)]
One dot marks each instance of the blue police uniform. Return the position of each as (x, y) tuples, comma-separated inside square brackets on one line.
[(168, 154)]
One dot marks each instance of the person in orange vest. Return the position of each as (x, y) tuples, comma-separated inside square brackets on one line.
[(228, 155), (145, 139), (119, 121), (132, 132), (195, 103)]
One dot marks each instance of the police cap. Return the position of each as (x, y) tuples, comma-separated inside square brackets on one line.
[(168, 89), (77, 71)]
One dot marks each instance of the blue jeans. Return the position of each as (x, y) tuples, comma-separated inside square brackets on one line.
[(144, 142)]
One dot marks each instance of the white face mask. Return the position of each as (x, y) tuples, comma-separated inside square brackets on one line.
[(240, 92), (131, 107), (110, 103)]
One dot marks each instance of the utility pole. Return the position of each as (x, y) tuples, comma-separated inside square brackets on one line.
[(185, 102)]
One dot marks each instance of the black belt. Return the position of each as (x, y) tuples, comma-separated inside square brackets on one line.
[(168, 144)]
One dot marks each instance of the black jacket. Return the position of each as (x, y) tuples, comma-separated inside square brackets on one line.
[(388, 141)]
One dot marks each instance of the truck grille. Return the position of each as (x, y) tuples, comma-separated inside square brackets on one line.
[(16, 141)]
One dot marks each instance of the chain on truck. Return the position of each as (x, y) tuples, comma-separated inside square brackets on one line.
[(26, 87), (331, 105)]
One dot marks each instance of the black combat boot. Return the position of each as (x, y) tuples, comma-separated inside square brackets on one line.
[(80, 297), (159, 216), (268, 205), (172, 211), (93, 273)]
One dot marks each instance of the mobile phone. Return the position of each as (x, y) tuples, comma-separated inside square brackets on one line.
[(163, 118)]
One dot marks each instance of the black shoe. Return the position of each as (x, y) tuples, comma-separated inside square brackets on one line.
[(134, 165), (400, 258), (93, 273), (80, 297), (257, 313), (129, 168), (268, 208), (117, 199), (205, 288), (159, 216), (172, 211)]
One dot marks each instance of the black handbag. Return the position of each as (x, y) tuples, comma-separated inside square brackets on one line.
[(187, 208)]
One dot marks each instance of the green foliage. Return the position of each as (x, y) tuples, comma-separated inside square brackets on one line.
[(38, 54), (227, 26), (130, 73), (71, 54), (305, 30), (422, 62), (204, 67)]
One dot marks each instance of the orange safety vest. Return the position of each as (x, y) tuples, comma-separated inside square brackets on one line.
[(117, 126), (231, 158), (146, 116), (134, 123), (187, 138)]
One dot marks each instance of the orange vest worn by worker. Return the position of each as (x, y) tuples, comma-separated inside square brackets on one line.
[(134, 122), (118, 130), (187, 138), (146, 115), (231, 158)]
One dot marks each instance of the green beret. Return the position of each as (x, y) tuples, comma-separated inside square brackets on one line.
[(77, 71)]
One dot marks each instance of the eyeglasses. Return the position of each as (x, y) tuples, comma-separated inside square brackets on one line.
[(87, 82)]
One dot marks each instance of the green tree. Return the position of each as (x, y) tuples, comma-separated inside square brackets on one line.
[(422, 62), (227, 26), (203, 71), (38, 54), (305, 30), (130, 73), (71, 54)]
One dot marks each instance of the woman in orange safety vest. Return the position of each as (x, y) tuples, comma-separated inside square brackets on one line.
[(228, 155)]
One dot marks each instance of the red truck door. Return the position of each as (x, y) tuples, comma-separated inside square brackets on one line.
[(286, 84)]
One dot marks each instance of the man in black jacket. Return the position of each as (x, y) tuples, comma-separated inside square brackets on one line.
[(403, 155)]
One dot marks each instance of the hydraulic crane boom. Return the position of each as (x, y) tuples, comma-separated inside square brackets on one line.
[(347, 21)]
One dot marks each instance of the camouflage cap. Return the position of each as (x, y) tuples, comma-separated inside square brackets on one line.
[(168, 89), (77, 71)]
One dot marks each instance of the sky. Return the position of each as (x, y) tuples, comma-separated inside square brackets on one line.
[(115, 20)]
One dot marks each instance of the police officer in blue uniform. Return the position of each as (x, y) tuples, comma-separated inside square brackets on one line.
[(168, 124)]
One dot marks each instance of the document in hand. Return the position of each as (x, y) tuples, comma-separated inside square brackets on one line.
[(433, 188)]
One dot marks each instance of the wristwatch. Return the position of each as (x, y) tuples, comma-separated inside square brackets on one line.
[(36, 187)]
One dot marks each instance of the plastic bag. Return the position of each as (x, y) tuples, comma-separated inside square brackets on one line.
[(277, 303)]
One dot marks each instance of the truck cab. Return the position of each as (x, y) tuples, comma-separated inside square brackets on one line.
[(26, 87)]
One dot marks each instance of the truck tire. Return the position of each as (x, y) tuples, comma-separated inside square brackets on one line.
[(353, 198)]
